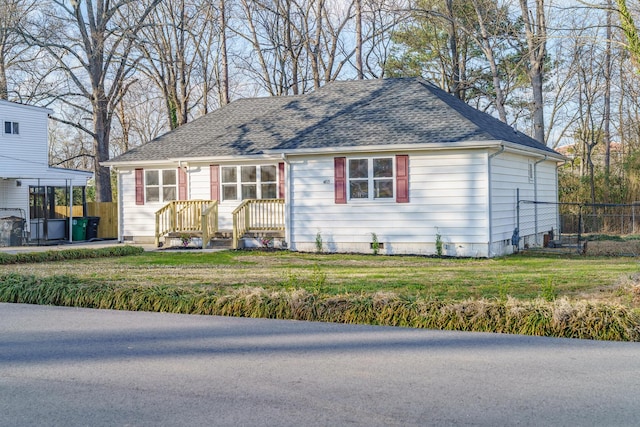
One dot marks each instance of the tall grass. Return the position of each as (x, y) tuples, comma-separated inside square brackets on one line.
[(556, 318)]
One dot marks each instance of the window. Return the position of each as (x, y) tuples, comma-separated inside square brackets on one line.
[(160, 185), (532, 172), (371, 178), (11, 128), (249, 182)]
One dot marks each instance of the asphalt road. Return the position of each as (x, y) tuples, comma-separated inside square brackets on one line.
[(79, 367)]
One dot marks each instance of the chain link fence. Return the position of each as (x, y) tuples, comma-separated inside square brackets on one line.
[(591, 229)]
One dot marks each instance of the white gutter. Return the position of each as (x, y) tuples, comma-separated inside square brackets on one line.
[(287, 200), (176, 160), (535, 194), (70, 226), (120, 203), (489, 197), (509, 146), (277, 154), (535, 178)]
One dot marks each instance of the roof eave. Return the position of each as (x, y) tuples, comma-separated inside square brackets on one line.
[(183, 160), (518, 148), (465, 145), (277, 154)]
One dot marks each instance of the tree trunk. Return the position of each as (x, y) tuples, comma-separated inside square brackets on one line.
[(607, 103), (314, 47), (224, 78), (485, 43), (358, 52), (102, 130), (4, 90), (536, 35), (456, 74)]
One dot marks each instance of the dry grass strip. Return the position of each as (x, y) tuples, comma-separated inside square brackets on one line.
[(559, 318)]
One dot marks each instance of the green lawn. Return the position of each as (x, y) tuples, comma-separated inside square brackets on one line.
[(519, 276)]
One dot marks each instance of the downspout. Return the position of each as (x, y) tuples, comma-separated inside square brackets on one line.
[(535, 177), (120, 204), (557, 196), (535, 193), (490, 204), (70, 226), (287, 200)]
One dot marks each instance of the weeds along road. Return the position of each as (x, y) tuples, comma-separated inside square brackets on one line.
[(73, 367)]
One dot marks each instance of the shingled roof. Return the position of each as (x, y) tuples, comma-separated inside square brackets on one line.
[(341, 114)]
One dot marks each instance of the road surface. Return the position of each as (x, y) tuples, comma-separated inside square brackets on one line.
[(80, 367)]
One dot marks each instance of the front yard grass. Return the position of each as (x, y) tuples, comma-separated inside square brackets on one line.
[(519, 276)]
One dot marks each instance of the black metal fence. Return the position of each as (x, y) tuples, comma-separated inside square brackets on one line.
[(599, 229)]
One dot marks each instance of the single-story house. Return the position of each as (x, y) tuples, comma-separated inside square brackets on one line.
[(395, 163), (33, 195)]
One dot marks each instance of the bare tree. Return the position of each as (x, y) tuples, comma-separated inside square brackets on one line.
[(380, 19), (297, 45), (13, 17), (607, 97), (139, 116), (266, 31), (170, 49), (488, 46), (91, 41)]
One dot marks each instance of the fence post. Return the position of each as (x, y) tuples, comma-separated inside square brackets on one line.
[(580, 225)]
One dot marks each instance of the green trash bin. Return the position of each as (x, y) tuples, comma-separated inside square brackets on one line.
[(79, 229)]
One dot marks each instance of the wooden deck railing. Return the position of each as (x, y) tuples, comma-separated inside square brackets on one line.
[(257, 215), (186, 216), (209, 223)]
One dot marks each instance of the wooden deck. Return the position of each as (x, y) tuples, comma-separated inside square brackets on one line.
[(199, 218)]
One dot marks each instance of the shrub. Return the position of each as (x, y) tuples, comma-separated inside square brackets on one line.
[(69, 254)]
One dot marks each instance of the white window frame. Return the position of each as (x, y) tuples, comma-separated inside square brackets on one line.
[(161, 186), (238, 183), (371, 179)]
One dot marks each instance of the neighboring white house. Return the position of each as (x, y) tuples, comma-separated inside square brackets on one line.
[(397, 157), (29, 188)]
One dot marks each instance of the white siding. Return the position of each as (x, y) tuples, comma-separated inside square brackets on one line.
[(199, 182), (200, 188), (24, 157), (13, 197), (448, 194), (25, 154), (510, 174), (138, 221)]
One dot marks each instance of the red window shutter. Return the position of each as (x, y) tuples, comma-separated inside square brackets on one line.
[(182, 184), (139, 187), (402, 179), (281, 180), (340, 179), (215, 181)]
